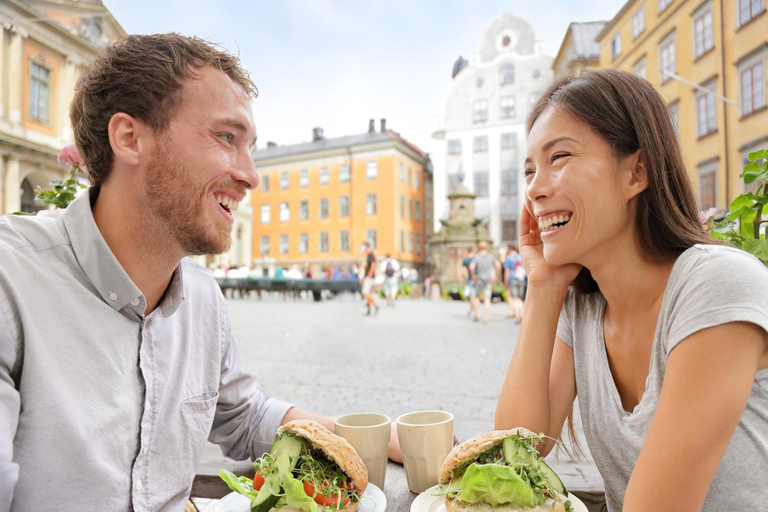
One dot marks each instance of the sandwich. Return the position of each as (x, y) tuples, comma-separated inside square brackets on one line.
[(307, 469), (500, 471)]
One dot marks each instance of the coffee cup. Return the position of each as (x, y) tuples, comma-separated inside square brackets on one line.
[(368, 433), (426, 438)]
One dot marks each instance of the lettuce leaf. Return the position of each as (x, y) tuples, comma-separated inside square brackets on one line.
[(495, 484), (296, 497), (242, 485)]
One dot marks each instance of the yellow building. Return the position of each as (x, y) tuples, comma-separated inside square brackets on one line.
[(44, 46), (708, 59), (319, 201), (579, 50)]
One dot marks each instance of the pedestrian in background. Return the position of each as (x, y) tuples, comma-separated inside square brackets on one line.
[(391, 267), (368, 279), (484, 268), (514, 277), (469, 289)]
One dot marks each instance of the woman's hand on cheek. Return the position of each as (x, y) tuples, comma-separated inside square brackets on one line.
[(539, 271)]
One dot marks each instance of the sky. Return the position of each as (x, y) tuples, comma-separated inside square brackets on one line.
[(336, 64)]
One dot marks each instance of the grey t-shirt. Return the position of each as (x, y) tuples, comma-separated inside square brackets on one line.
[(709, 285), (484, 262)]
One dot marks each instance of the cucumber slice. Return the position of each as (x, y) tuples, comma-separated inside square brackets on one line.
[(285, 450), (266, 505), (266, 493), (553, 479)]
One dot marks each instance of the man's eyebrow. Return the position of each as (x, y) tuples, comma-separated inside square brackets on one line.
[(546, 147)]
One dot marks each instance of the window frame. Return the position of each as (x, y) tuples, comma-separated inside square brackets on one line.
[(304, 209), (507, 74), (479, 111), (285, 207), (480, 148), (284, 245), (285, 181), (304, 178), (703, 35), (706, 110), (371, 169), (303, 243), (507, 107), (371, 206), (264, 247), (512, 136), (325, 176), (325, 208), (35, 95), (454, 147), (638, 22), (707, 170), (748, 65), (344, 173), (668, 41), (481, 186), (343, 206), (268, 213)]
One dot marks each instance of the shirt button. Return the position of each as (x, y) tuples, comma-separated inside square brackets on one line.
[(112, 295), (135, 302)]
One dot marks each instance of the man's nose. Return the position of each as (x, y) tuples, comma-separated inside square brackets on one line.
[(246, 171)]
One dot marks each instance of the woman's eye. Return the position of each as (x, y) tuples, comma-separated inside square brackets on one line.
[(558, 155), (528, 173)]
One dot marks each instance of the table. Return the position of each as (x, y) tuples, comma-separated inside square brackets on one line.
[(208, 485)]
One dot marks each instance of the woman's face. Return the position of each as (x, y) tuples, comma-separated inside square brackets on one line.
[(577, 190)]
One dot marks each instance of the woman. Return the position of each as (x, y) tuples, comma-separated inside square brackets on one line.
[(663, 333)]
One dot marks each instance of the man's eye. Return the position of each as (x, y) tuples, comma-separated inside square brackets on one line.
[(227, 137)]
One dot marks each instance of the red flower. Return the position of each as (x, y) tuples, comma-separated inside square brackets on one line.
[(70, 156)]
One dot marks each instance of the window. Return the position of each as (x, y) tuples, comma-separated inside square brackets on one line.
[(410, 176), (640, 68), (663, 4), (507, 107), (706, 119), (481, 144), (265, 183), (508, 183), (371, 169), (508, 140), (418, 180), (667, 57), (674, 115), (39, 81), (325, 176), (480, 111), (454, 147), (402, 241), (752, 84), (344, 173), (264, 248), (703, 30), (507, 73), (344, 241), (266, 214), (402, 206), (344, 206), (418, 211), (616, 46), (324, 208), (708, 186), (410, 208), (453, 182), (638, 23), (401, 168), (749, 9), (304, 210), (509, 229), (370, 204), (481, 183), (304, 178), (370, 237), (303, 243), (283, 180), (323, 241), (418, 243), (285, 212), (283, 244), (410, 242)]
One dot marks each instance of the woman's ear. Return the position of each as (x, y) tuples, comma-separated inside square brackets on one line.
[(125, 134), (636, 174)]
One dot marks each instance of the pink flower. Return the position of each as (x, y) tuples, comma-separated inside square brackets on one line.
[(69, 156), (705, 216)]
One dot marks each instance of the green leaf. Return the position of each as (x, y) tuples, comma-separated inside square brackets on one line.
[(745, 199), (752, 174), (758, 248), (757, 155)]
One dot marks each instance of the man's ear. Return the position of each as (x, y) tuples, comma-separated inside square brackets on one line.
[(126, 136), (637, 174)]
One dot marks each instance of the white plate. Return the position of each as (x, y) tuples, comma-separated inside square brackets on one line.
[(425, 502), (373, 501)]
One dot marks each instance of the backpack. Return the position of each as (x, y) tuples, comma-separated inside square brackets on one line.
[(519, 271), (390, 269)]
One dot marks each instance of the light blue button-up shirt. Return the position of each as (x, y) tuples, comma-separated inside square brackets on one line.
[(101, 407)]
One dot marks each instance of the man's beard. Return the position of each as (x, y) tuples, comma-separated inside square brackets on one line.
[(177, 209)]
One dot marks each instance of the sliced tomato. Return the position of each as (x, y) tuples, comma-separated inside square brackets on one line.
[(322, 499), (258, 481)]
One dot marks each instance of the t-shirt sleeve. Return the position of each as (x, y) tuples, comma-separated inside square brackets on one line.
[(720, 286), (565, 323)]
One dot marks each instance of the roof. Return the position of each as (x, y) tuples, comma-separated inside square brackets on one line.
[(584, 44), (600, 35), (335, 143)]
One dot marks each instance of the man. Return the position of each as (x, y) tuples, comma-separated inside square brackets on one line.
[(391, 268), (484, 268), (116, 356), (469, 289), (514, 275), (369, 279)]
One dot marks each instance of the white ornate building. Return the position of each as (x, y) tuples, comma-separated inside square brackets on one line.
[(483, 129)]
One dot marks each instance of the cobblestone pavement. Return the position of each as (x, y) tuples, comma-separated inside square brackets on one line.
[(421, 354)]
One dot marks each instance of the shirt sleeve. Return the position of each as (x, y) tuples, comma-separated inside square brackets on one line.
[(246, 419), (721, 285), (565, 323), (10, 402)]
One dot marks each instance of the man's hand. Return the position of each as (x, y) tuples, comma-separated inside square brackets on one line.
[(394, 445)]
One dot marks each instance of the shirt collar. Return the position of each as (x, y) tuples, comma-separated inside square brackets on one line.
[(101, 267)]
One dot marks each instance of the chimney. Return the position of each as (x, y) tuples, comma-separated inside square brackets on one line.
[(371, 125), (383, 125), (317, 134), (271, 145)]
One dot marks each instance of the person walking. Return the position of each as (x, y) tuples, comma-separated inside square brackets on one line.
[(390, 267), (368, 279), (514, 277), (469, 289), (484, 268)]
